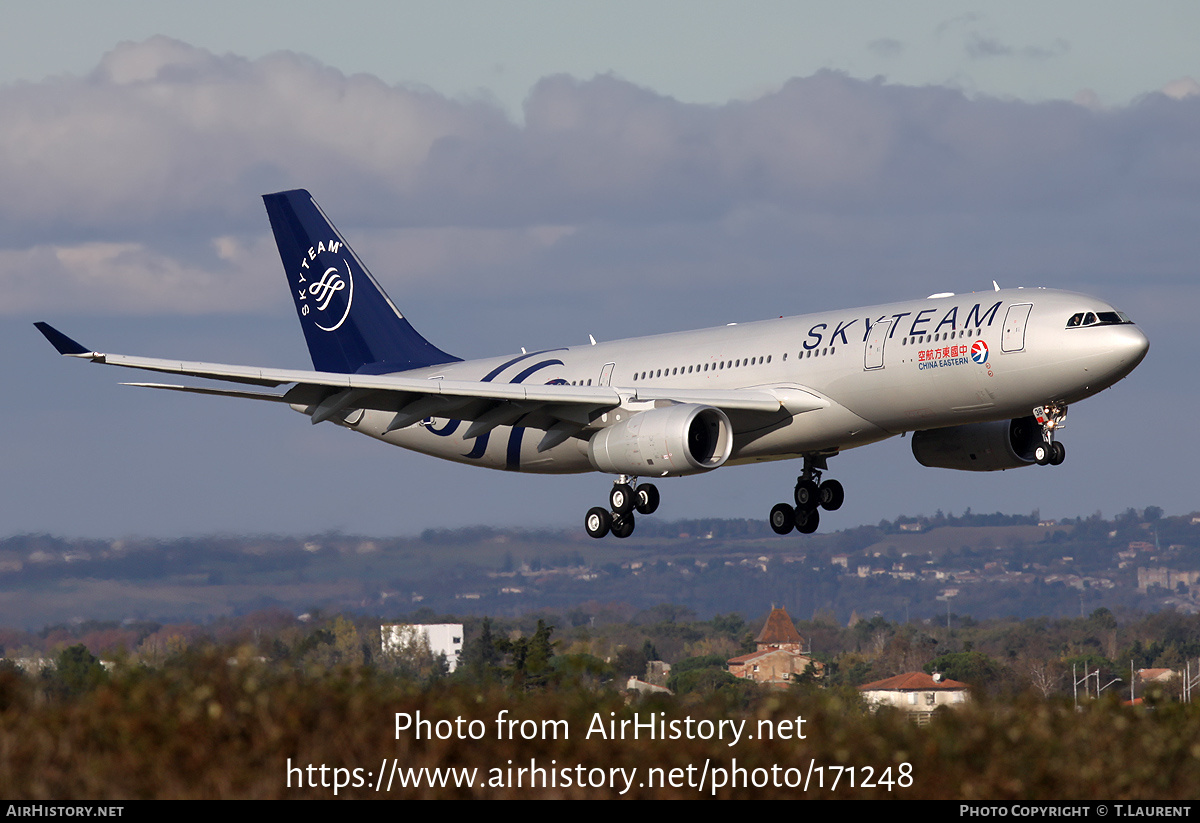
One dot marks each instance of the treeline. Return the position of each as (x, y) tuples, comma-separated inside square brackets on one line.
[(600, 645), (224, 722)]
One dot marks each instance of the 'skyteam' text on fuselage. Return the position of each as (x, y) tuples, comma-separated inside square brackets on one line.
[(983, 380)]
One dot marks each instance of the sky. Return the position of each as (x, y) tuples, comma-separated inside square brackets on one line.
[(525, 174)]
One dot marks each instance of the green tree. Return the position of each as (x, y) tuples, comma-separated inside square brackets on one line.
[(76, 671), (481, 658), (537, 661), (529, 658), (974, 668)]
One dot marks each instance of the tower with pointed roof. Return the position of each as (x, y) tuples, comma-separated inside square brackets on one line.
[(780, 657), (779, 632)]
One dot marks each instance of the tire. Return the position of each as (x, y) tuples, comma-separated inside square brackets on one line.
[(622, 525), (806, 495), (807, 522), (621, 498), (597, 522), (1058, 455), (783, 519), (831, 495), (646, 498), (1042, 453)]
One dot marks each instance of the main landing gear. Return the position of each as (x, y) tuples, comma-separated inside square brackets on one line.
[(1050, 417), (627, 496), (811, 494)]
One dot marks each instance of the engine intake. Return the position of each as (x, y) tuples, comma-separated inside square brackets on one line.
[(979, 447), (676, 440)]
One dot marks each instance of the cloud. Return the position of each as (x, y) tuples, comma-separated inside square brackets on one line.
[(131, 278), (135, 188), (886, 47), (960, 21), (162, 130), (1181, 88), (981, 47)]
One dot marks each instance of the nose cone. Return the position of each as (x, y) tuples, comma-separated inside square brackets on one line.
[(1135, 345), (1127, 346)]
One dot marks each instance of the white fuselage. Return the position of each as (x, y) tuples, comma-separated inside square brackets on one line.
[(910, 366)]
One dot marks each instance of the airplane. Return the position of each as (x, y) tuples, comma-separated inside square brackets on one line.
[(982, 380)]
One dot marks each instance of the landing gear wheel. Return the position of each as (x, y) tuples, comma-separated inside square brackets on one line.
[(831, 495), (1058, 454), (646, 499), (1042, 453), (621, 499), (597, 522), (806, 495), (1051, 417), (783, 519), (807, 522), (622, 525)]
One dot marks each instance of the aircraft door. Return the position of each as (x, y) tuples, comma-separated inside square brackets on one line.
[(1013, 336), (876, 340), (606, 374)]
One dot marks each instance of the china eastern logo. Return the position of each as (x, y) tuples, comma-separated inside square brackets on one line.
[(326, 286), (979, 352)]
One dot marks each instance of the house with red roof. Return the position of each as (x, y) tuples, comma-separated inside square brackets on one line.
[(781, 656), (915, 692)]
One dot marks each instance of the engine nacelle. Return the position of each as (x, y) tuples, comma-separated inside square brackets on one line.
[(674, 440), (979, 447)]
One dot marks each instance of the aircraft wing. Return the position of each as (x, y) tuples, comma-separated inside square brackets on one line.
[(561, 410)]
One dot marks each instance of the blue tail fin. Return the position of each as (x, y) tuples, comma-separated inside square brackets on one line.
[(350, 324)]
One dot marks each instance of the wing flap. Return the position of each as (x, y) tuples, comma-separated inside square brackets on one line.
[(245, 395), (766, 400)]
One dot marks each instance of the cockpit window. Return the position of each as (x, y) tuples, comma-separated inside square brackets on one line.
[(1103, 318)]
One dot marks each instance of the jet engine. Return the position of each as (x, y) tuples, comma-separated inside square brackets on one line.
[(673, 440), (979, 447)]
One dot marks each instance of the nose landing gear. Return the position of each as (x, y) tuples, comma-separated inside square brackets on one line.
[(1050, 417)]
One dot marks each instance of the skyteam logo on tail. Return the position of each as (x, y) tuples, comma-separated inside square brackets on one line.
[(326, 291)]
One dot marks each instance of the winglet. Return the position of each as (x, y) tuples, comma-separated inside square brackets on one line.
[(60, 341)]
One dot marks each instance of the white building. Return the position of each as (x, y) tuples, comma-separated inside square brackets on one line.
[(915, 692), (443, 638)]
